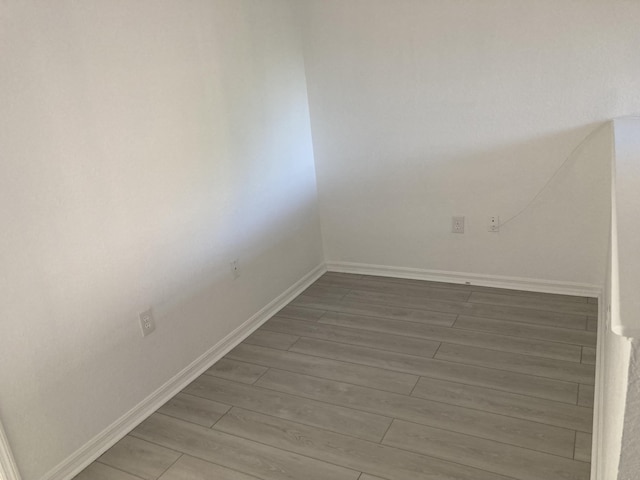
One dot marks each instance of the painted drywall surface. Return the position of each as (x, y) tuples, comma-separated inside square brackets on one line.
[(615, 369), (422, 110), (144, 145), (624, 306), (629, 460), (613, 364), (626, 229)]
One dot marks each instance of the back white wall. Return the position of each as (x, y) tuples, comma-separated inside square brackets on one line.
[(143, 146), (425, 109)]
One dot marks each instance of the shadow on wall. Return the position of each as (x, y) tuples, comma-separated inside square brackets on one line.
[(145, 147)]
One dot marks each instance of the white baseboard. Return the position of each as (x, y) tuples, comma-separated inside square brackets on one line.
[(597, 443), (8, 467), (117, 430), (498, 281)]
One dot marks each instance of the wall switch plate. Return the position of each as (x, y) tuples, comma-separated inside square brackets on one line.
[(147, 323), (457, 224), (235, 268), (494, 224)]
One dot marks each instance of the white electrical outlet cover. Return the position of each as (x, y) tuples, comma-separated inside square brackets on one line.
[(235, 268), (147, 323), (494, 224), (457, 224)]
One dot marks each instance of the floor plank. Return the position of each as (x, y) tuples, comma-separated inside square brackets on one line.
[(391, 282), (190, 468), (553, 297), (497, 312), (339, 449), (367, 356), (585, 395), (491, 378), (543, 367), (528, 434), (496, 457), (338, 419), (589, 355), (458, 336), (583, 447), (534, 302), (326, 368), (541, 332), (263, 461), (326, 291), (194, 409), (351, 336), (415, 290), (265, 338), (503, 403), (377, 310), (363, 356), (100, 471), (236, 370), (291, 311), (139, 458)]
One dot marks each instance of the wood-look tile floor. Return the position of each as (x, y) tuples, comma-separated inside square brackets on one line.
[(376, 378)]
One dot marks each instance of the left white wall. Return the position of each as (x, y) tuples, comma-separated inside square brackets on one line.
[(143, 146)]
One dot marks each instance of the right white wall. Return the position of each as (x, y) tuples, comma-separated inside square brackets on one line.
[(620, 359), (613, 367), (422, 110), (629, 464)]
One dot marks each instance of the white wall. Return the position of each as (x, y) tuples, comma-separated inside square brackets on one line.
[(143, 146), (621, 371), (612, 372), (629, 461), (625, 314), (425, 109)]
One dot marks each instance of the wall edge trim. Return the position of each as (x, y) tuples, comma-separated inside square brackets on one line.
[(597, 444), (485, 280), (95, 447), (8, 466)]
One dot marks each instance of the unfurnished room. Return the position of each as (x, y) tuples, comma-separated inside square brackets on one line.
[(319, 239)]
